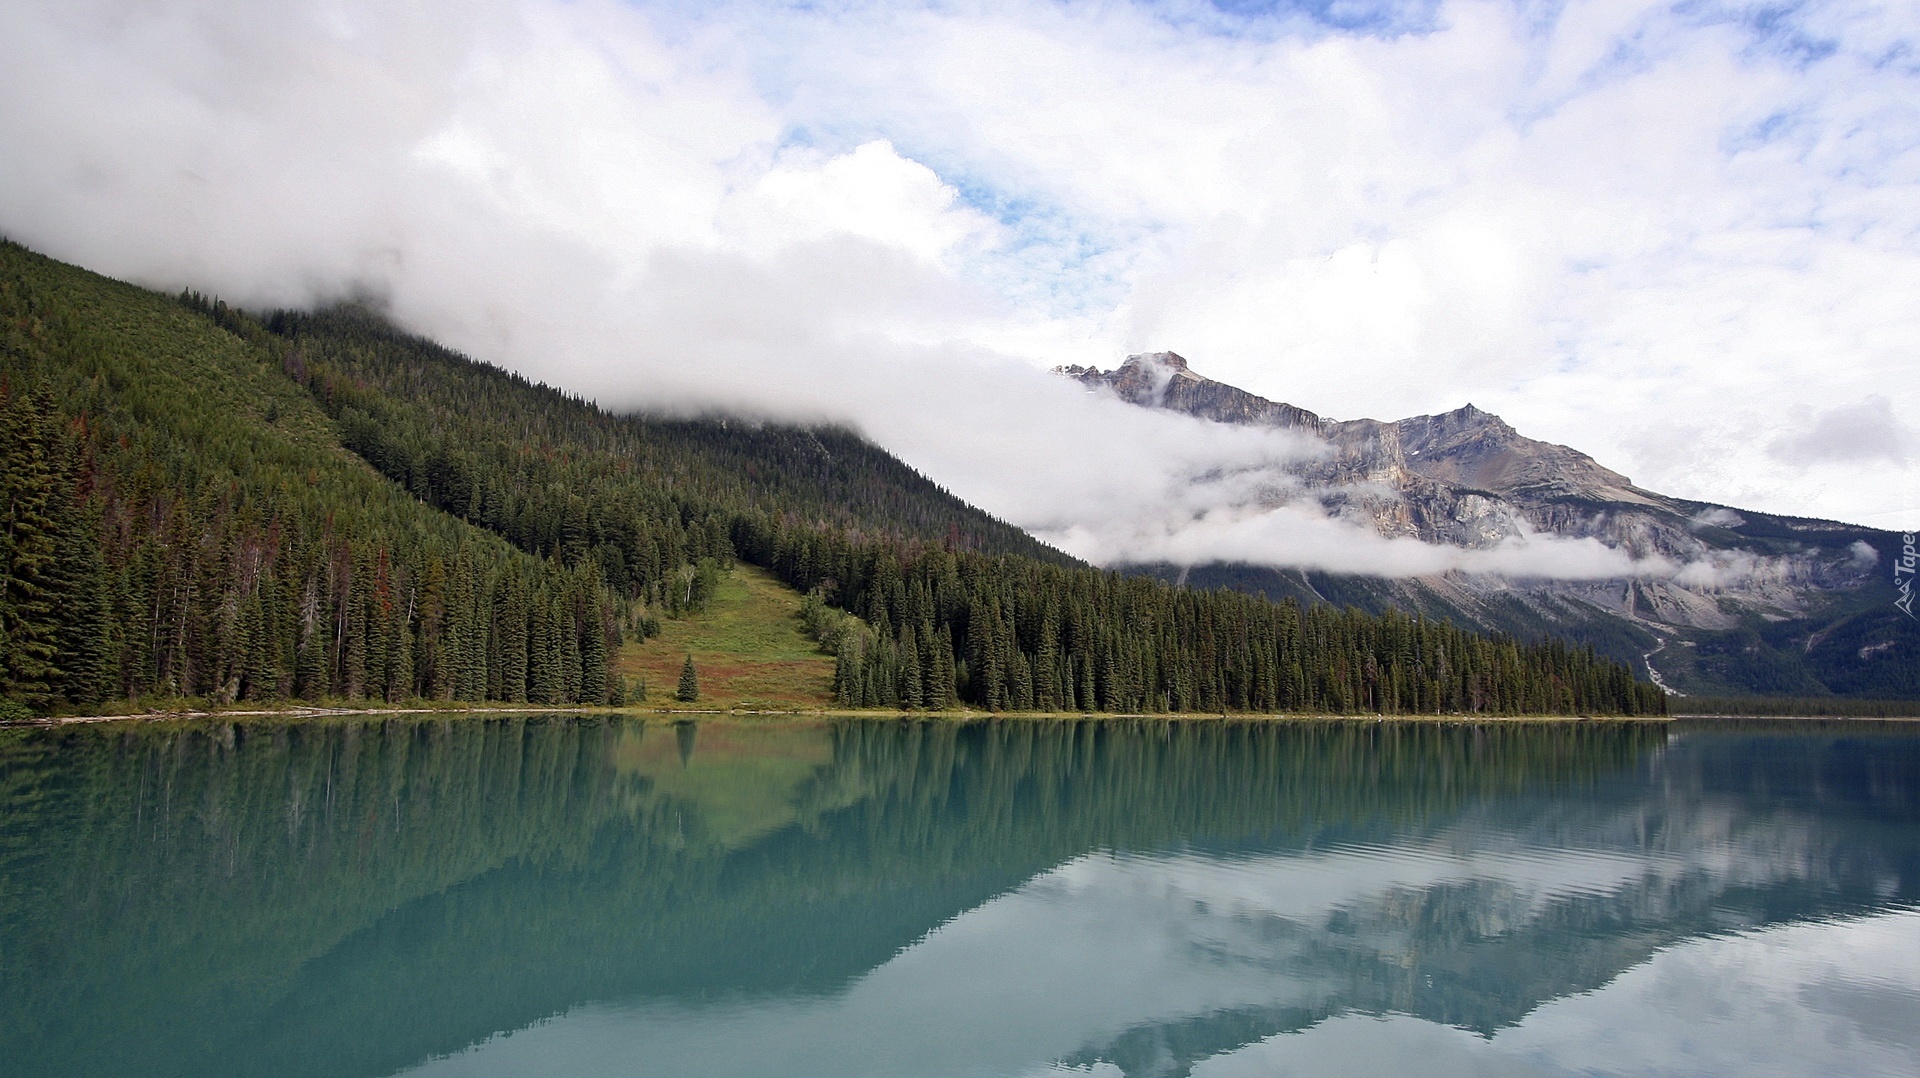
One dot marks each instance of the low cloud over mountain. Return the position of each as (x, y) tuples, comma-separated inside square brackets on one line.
[(1653, 232)]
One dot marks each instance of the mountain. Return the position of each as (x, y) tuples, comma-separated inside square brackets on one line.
[(211, 505), (1754, 603)]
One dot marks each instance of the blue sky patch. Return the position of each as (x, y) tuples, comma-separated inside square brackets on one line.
[(1778, 31), (1272, 18)]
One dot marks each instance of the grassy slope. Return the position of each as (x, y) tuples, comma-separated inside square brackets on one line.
[(749, 648)]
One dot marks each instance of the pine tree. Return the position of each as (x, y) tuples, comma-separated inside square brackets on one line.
[(310, 670), (912, 684), (28, 598), (355, 637), (689, 690), (85, 634), (400, 684), (572, 669), (941, 688), (543, 667), (846, 677), (594, 677), (256, 670), (510, 636)]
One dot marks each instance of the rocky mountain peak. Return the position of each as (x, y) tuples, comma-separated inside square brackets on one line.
[(1172, 360), (1465, 422), (1469, 448), (1164, 380)]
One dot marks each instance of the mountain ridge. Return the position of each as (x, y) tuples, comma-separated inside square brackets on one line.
[(1756, 583)]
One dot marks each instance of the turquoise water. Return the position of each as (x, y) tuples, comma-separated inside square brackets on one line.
[(605, 896)]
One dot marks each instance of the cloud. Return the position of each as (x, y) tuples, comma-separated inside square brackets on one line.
[(1649, 232), (1859, 433), (1300, 535), (1606, 222), (1718, 517)]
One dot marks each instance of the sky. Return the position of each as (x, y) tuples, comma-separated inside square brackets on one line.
[(1681, 237)]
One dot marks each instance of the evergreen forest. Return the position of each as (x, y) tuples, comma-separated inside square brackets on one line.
[(206, 504)]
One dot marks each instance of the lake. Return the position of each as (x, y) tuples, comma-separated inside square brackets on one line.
[(469, 895)]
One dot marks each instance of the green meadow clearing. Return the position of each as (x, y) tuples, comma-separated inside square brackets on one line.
[(749, 647)]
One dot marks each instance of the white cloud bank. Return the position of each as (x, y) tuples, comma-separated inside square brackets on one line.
[(1684, 240), (1316, 540)]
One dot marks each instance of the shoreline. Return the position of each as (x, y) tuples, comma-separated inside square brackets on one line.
[(959, 715), (311, 712)]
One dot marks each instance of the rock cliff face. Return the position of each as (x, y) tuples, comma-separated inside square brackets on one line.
[(1467, 479), (1464, 477), (1163, 380)]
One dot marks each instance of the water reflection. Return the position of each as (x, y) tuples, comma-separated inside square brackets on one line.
[(603, 896)]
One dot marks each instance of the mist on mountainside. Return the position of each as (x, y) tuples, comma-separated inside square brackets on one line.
[(682, 215), (1704, 598)]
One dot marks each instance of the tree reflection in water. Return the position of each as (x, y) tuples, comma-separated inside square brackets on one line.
[(360, 897)]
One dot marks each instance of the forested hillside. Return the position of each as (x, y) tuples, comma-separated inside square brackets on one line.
[(182, 521), (314, 505), (561, 478)]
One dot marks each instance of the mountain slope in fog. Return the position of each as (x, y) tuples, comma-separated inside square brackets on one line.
[(1747, 602)]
